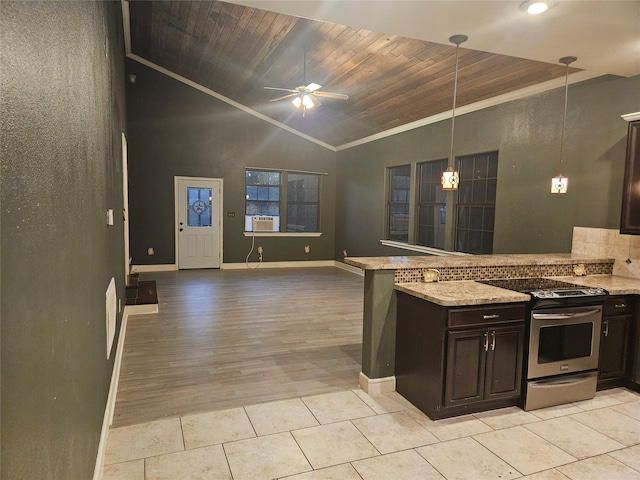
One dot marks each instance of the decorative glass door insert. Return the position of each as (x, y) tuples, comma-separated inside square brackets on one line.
[(198, 207)]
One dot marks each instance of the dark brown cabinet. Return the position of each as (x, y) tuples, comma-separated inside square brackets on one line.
[(484, 364), (452, 361), (614, 341), (630, 218)]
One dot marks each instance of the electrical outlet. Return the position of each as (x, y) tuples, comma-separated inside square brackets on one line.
[(260, 250)]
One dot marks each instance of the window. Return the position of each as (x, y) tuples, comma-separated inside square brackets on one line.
[(292, 197), (263, 193), (432, 204), (303, 201), (399, 181), (476, 206)]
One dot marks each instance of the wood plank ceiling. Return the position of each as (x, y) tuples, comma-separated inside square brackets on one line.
[(391, 80)]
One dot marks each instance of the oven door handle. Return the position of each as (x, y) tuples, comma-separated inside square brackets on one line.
[(563, 316)]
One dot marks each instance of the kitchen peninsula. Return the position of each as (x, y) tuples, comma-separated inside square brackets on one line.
[(388, 277)]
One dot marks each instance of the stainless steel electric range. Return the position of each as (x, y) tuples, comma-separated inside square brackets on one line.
[(563, 339)]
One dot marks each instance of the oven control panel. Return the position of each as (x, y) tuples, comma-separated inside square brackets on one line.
[(565, 293)]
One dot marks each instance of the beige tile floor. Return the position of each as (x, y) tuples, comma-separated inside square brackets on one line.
[(350, 435)]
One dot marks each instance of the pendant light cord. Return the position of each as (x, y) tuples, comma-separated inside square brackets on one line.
[(564, 116), (457, 39), (453, 109), (566, 61)]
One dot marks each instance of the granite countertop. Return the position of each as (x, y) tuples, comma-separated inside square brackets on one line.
[(468, 292), (461, 292), (613, 284), (394, 263)]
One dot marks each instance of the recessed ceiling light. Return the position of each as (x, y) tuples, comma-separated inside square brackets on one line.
[(534, 7)]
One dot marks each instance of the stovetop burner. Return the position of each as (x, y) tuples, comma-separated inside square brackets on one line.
[(545, 287), (526, 285)]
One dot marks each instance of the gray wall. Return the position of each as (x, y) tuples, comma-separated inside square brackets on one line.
[(61, 117), (526, 133), (176, 130)]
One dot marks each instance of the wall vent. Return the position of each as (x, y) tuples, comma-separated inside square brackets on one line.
[(111, 301)]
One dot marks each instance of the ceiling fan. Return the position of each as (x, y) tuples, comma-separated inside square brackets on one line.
[(306, 97)]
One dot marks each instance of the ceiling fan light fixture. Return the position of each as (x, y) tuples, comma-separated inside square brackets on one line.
[(535, 7), (307, 101), (306, 97)]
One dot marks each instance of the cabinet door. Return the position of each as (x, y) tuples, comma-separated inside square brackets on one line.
[(613, 347), (504, 362), (630, 218), (465, 368)]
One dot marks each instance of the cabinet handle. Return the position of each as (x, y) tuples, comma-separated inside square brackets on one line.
[(620, 305), (486, 341), (493, 340), (606, 328), (489, 317)]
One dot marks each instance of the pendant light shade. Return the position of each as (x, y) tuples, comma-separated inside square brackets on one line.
[(450, 178), (559, 182)]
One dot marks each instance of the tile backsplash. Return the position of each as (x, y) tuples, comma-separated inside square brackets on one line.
[(625, 249)]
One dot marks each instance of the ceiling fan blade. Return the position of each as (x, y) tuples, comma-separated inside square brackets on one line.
[(339, 96), (284, 96), (315, 101), (312, 87), (282, 89)]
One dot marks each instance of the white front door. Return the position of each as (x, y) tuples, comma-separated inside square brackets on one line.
[(198, 231)]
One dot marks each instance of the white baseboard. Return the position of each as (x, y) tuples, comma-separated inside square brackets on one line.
[(111, 398), (241, 266), (169, 267), (349, 268), (142, 309), (377, 386), (252, 265)]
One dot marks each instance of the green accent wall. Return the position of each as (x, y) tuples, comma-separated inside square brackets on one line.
[(379, 325), (177, 130), (526, 132), (61, 118)]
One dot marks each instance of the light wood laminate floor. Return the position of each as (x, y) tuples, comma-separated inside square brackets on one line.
[(228, 338)]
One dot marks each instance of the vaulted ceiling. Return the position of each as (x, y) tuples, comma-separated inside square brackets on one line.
[(236, 50)]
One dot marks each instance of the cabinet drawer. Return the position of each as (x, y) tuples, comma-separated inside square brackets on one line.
[(618, 306), (461, 317)]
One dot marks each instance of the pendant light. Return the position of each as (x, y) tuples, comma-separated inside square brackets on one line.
[(450, 178), (559, 183)]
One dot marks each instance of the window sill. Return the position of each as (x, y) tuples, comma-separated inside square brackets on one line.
[(420, 248), (282, 234)]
